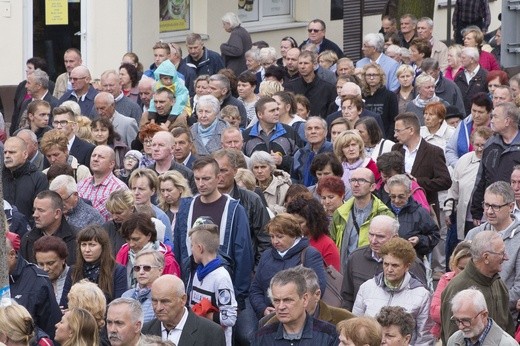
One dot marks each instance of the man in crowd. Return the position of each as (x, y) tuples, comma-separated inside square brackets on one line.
[(111, 84), (515, 185), (345, 67), (407, 29), (317, 30), (439, 49), (220, 88), (125, 126), (145, 87), (124, 322), (82, 91), (201, 59), (502, 94), (34, 155), (161, 52), (71, 59), (184, 71), (473, 79), (183, 147), (291, 65)]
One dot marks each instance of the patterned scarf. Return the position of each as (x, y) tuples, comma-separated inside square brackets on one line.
[(91, 271), (419, 102)]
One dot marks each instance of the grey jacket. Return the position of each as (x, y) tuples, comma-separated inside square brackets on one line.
[(495, 337)]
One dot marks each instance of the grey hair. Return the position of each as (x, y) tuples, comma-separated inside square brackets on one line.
[(65, 181), (501, 188), (222, 80), (232, 19), (73, 106), (322, 121), (311, 278), (471, 52), (31, 134), (108, 73), (253, 53), (136, 311), (430, 64), (393, 224), (394, 49), (375, 40), (146, 82), (470, 295), (482, 243), (210, 100), (511, 111), (152, 340), (41, 77), (158, 257), (422, 79), (263, 157), (426, 20), (400, 179), (267, 54), (107, 97), (287, 276), (405, 52)]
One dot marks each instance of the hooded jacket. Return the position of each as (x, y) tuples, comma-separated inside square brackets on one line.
[(182, 96), (275, 193)]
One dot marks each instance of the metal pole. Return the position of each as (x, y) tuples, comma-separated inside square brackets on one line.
[(448, 25)]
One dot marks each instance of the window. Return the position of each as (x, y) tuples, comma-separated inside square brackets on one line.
[(265, 12), (174, 17)]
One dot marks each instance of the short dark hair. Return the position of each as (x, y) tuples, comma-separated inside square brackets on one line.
[(373, 130), (57, 202), (247, 77), (313, 213), (141, 222), (391, 161), (274, 71), (410, 119), (321, 160), (38, 63), (132, 72), (49, 243), (262, 101), (203, 161), (482, 100)]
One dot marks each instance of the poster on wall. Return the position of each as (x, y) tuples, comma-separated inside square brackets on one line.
[(248, 10), (56, 12), (174, 15), (276, 8)]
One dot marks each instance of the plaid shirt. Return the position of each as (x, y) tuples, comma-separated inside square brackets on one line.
[(98, 194), (482, 337), (471, 11)]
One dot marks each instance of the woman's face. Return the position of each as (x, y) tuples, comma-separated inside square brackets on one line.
[(326, 64), (302, 111), (453, 59), (283, 108), (303, 224), (262, 172), (169, 192), (282, 242), (284, 47), (330, 201), (478, 145), (352, 151), (120, 217), (362, 129), (349, 111), (63, 330), (398, 195), (226, 26), (405, 79), (493, 84), (324, 172), (427, 90), (55, 155), (90, 250), (336, 130), (142, 191), (147, 146), (515, 88), (392, 337), (138, 240), (431, 120), (206, 115), (202, 88), (461, 264), (372, 78), (415, 56), (124, 78), (469, 40), (339, 86), (100, 134), (394, 269), (29, 69), (245, 89)]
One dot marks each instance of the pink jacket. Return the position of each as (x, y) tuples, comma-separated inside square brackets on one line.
[(435, 305), (170, 264)]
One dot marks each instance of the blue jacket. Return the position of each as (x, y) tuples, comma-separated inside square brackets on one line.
[(236, 242), (301, 168), (86, 105), (182, 97), (271, 263), (458, 144), (210, 63)]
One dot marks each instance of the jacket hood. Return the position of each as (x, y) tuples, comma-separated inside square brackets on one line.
[(166, 68), (282, 177)]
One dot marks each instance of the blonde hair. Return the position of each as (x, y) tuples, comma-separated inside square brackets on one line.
[(87, 295), (247, 178), (344, 139), (269, 88), (120, 201), (16, 323), (178, 181), (84, 328), (84, 131)]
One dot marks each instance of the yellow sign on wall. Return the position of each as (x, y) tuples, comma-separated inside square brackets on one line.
[(56, 12)]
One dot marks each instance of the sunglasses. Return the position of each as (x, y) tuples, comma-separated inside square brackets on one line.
[(137, 269), (313, 30)]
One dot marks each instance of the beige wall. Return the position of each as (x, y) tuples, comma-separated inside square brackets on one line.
[(12, 40)]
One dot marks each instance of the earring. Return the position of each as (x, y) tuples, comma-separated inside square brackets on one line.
[(486, 262)]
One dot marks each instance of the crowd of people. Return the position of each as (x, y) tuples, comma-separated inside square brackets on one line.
[(216, 198)]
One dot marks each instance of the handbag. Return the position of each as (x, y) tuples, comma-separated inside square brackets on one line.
[(332, 294)]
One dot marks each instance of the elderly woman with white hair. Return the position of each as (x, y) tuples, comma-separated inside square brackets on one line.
[(425, 90), (273, 182), (206, 132), (239, 42)]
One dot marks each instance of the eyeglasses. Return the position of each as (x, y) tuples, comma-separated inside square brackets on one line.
[(56, 123), (398, 197), (501, 254), (68, 197), (359, 181), (494, 207), (371, 75), (148, 141), (146, 268), (313, 30), (466, 322), (74, 79), (401, 130)]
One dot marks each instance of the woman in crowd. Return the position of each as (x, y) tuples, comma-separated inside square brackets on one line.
[(350, 150), (473, 37), (77, 328), (16, 325), (303, 106), (398, 326), (286, 43), (51, 255), (314, 223), (172, 186), (396, 284), (332, 194), (351, 109), (454, 62), (129, 79), (464, 180), (287, 112), (132, 58), (405, 92), (328, 59), (460, 257), (121, 205), (495, 79), (96, 264), (425, 89), (415, 223), (338, 126), (104, 134), (324, 164), (372, 136), (289, 249), (206, 132), (359, 331), (436, 130), (273, 182), (54, 145), (420, 49), (246, 180), (238, 43), (145, 143), (140, 234), (201, 84), (378, 98), (246, 93)]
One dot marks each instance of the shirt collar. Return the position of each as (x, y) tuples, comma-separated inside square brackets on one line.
[(179, 325)]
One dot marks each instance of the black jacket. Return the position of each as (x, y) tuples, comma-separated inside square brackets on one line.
[(384, 102), (30, 287), (320, 93), (476, 84)]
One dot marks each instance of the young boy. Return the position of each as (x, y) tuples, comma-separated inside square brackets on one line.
[(212, 281), (130, 163)]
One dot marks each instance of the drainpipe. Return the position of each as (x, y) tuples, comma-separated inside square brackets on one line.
[(130, 19)]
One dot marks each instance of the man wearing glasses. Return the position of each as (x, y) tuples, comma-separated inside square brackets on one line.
[(471, 316), (317, 30), (488, 255), (82, 92)]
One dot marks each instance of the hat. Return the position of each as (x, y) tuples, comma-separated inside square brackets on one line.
[(134, 154), (453, 112), (14, 239)]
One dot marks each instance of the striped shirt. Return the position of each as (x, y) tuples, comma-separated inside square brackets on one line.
[(98, 194)]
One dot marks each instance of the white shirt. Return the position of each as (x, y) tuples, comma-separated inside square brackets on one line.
[(409, 157), (69, 144), (470, 75), (175, 334)]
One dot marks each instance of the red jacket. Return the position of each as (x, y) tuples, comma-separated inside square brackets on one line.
[(170, 264)]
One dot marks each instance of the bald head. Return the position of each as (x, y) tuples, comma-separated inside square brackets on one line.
[(105, 104), (15, 153), (83, 70), (170, 282), (382, 229), (165, 136), (80, 79), (102, 161), (350, 89), (168, 300)]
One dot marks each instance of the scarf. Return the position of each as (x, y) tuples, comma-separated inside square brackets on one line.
[(91, 271), (422, 103), (348, 168), (395, 209), (141, 294), (206, 133), (131, 259), (204, 270)]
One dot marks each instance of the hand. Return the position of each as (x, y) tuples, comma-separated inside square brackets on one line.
[(448, 220), (164, 126), (518, 305), (476, 222), (277, 157), (413, 240), (268, 310)]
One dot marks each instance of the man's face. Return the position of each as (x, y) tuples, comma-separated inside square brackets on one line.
[(55, 155), (160, 55), (104, 108), (167, 305), (195, 50), (50, 263), (232, 140), (470, 321), (146, 94), (79, 80), (424, 30), (402, 132), (289, 306), (162, 147), (121, 329), (270, 114), (182, 147), (146, 278), (497, 212), (368, 49), (40, 118), (31, 85), (217, 90), (111, 85), (407, 25), (496, 256), (345, 69), (14, 154), (63, 123), (387, 26), (314, 131), (480, 115), (501, 95), (364, 186), (378, 234), (500, 122), (69, 200), (291, 60), (101, 161), (71, 60), (44, 214), (466, 60), (163, 104), (206, 180), (226, 175), (32, 147), (316, 33), (515, 184), (305, 66), (245, 89)]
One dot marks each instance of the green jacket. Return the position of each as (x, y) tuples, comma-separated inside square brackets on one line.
[(340, 218)]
